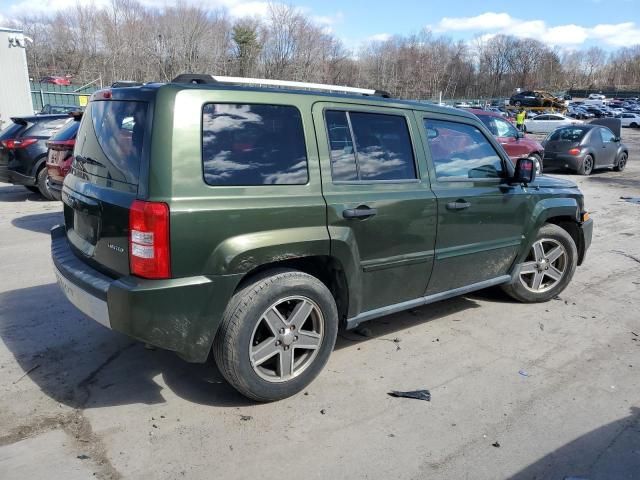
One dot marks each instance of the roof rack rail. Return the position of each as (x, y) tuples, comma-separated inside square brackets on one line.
[(265, 82)]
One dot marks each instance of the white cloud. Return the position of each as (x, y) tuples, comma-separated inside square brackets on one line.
[(379, 37), (491, 23)]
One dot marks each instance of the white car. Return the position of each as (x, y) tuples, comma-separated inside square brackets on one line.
[(629, 119), (596, 96), (548, 122)]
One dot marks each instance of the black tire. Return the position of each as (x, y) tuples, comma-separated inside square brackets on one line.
[(32, 189), (622, 162), (586, 167), (41, 181), (553, 235), (517, 103), (538, 161), (242, 319), (633, 125)]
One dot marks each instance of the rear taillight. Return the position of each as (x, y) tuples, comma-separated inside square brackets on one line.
[(574, 151), (61, 144), (149, 254), (16, 143)]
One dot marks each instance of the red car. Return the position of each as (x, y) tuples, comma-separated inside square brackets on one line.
[(56, 80), (60, 155), (515, 143)]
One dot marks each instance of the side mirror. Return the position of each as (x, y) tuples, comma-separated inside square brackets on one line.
[(616, 139), (525, 171)]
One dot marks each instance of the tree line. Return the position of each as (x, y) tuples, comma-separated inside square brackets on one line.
[(129, 41)]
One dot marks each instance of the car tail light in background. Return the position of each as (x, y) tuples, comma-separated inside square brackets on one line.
[(61, 144), (574, 151), (149, 254), (16, 143)]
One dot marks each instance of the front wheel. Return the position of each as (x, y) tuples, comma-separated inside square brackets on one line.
[(276, 335), (537, 160), (622, 162), (548, 267)]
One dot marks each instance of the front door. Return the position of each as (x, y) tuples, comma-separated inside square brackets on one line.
[(375, 183), (481, 218), (608, 150)]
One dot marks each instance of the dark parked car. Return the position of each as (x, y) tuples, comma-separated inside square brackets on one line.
[(23, 150), (56, 80), (60, 155), (59, 109), (252, 222), (584, 148), (535, 98)]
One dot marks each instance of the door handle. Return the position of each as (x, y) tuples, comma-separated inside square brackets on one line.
[(360, 212), (458, 205)]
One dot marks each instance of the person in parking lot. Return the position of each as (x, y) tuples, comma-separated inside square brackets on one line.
[(520, 116)]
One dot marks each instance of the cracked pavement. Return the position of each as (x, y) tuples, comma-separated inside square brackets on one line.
[(80, 401)]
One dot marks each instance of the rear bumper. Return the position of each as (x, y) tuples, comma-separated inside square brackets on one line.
[(561, 161), (55, 188), (11, 176), (181, 314)]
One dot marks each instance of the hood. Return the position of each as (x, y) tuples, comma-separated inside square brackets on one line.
[(546, 181), (533, 145)]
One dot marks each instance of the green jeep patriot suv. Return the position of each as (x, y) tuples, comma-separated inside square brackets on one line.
[(254, 221)]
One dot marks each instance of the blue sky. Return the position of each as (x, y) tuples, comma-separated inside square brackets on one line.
[(562, 23)]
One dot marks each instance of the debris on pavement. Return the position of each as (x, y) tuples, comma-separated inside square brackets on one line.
[(631, 199), (523, 373), (323, 411), (416, 394), (27, 373), (245, 418), (635, 334), (83, 457), (541, 326), (496, 444)]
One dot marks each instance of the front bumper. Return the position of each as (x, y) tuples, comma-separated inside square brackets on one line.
[(586, 233), (181, 314)]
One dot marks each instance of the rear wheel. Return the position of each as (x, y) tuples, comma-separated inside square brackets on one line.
[(586, 167), (276, 335), (43, 186), (622, 162), (548, 267), (633, 125)]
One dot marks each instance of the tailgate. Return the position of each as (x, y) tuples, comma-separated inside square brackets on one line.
[(103, 182)]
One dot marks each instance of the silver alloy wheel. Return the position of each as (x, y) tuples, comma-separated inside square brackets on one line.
[(622, 162), (545, 266), (286, 339), (588, 164), (537, 163)]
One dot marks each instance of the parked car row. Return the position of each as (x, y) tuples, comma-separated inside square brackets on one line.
[(36, 151)]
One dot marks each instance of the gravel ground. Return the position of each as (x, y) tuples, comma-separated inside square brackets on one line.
[(518, 391)]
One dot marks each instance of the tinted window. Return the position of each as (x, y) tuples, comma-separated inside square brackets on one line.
[(606, 135), (343, 158), (119, 128), (68, 132), (461, 151), (570, 134), (498, 126), (383, 146), (47, 127), (253, 145), (541, 117)]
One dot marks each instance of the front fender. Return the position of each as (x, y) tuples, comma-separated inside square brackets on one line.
[(544, 210), (243, 253)]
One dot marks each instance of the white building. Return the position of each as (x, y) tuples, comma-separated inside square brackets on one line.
[(15, 94)]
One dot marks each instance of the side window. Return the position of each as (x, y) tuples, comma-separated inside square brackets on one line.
[(461, 151), (606, 135), (542, 117), (343, 157), (252, 144), (504, 128), (379, 150)]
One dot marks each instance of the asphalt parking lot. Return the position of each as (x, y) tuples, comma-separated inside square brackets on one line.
[(518, 391)]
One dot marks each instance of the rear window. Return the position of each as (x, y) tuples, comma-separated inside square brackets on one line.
[(567, 134), (251, 144), (68, 132), (46, 127), (11, 131), (119, 127)]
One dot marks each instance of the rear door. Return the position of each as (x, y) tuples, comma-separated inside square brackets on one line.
[(378, 198), (104, 180), (481, 218)]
